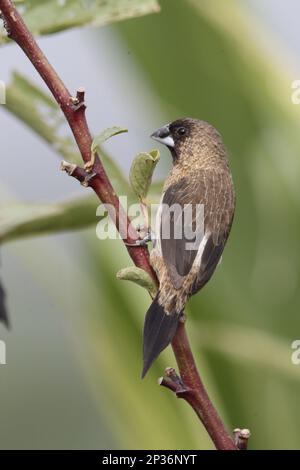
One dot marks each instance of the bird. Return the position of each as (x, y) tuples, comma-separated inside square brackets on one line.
[(184, 262)]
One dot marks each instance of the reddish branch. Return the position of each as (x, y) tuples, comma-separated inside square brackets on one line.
[(75, 116), (189, 386)]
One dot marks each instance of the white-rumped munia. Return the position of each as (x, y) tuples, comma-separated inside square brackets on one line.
[(200, 176)]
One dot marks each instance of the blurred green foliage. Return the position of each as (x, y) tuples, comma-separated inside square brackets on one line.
[(40, 113), (206, 60), (51, 16)]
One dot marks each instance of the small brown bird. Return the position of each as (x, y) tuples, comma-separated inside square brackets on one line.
[(187, 251)]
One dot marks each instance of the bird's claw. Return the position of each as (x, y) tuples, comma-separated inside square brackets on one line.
[(146, 236), (141, 241)]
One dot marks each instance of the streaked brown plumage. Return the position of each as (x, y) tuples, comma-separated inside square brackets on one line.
[(200, 175)]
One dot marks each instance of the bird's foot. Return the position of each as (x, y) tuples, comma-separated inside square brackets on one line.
[(145, 234)]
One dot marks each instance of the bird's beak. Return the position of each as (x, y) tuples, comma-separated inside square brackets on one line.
[(163, 135)]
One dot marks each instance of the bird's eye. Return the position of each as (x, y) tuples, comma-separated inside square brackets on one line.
[(181, 130)]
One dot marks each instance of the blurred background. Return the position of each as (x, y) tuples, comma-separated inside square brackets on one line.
[(74, 349)]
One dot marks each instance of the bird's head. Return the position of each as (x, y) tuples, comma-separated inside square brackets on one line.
[(191, 139)]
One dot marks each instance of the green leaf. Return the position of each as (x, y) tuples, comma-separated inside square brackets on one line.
[(155, 192), (138, 276), (141, 172), (50, 16), (19, 220), (105, 135)]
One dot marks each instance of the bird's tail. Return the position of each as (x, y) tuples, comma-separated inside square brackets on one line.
[(159, 330)]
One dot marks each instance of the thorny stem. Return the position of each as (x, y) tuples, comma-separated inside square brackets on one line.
[(195, 393), (74, 112), (73, 108)]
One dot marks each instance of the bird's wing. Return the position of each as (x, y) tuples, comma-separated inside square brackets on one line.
[(214, 191)]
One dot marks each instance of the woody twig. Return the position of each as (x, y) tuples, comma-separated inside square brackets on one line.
[(189, 384)]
